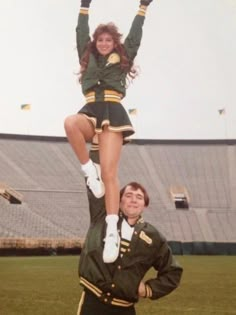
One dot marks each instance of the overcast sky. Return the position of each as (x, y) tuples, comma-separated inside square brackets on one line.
[(187, 66)]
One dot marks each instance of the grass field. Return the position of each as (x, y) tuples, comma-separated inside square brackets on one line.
[(49, 286)]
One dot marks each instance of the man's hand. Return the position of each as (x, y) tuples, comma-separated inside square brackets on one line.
[(145, 2), (85, 3), (142, 289)]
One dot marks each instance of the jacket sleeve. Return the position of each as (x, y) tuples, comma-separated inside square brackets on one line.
[(82, 31), (168, 277), (133, 40)]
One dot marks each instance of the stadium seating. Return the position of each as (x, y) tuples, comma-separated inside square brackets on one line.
[(47, 174)]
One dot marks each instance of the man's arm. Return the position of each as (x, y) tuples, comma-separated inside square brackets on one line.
[(133, 40), (82, 29), (168, 277)]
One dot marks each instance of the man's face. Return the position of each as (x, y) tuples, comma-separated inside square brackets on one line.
[(132, 202)]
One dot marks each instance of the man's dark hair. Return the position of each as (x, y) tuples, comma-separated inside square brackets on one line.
[(136, 186)]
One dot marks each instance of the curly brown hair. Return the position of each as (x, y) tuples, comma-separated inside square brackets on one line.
[(110, 28)]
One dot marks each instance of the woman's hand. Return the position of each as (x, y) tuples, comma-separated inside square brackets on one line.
[(85, 3), (145, 2)]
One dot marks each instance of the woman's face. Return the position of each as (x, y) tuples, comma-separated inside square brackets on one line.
[(105, 44)]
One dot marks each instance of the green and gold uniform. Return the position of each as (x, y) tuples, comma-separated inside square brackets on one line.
[(116, 285), (104, 82)]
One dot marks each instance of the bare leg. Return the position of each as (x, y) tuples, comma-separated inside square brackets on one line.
[(110, 144), (79, 130)]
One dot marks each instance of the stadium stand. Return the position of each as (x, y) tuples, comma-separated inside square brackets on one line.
[(54, 207)]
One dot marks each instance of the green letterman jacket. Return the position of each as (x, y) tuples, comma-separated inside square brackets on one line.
[(105, 72), (118, 283)]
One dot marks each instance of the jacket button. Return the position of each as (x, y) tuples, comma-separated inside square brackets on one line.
[(105, 300), (113, 285), (119, 267), (108, 294), (98, 83)]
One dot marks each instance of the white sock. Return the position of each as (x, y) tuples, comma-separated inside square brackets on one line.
[(87, 168), (111, 220), (126, 230)]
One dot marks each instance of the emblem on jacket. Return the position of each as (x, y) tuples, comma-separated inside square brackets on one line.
[(145, 238), (113, 58)]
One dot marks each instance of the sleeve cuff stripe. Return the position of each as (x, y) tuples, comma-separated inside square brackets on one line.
[(149, 291), (142, 11), (83, 10)]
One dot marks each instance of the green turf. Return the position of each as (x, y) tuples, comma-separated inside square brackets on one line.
[(49, 286)]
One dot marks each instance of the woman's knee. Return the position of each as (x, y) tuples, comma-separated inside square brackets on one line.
[(78, 125), (70, 123)]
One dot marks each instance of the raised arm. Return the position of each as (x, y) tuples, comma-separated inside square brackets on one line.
[(82, 29), (133, 40)]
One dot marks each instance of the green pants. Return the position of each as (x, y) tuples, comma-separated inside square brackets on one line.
[(91, 305)]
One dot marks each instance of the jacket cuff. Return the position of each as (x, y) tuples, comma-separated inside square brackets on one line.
[(142, 10), (148, 290), (84, 10)]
